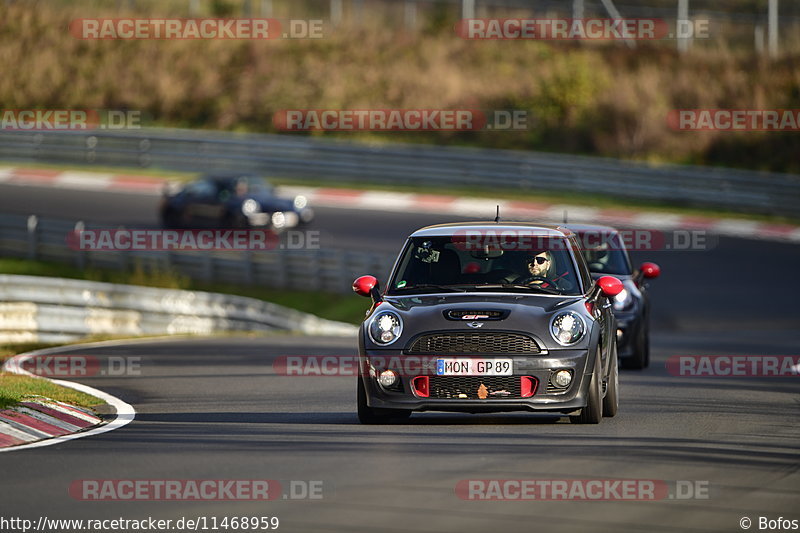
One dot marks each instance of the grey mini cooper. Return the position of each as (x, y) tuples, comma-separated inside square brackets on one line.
[(488, 317)]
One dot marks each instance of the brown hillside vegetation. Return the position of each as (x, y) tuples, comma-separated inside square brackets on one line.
[(594, 99)]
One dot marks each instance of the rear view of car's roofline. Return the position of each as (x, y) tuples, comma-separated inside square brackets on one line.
[(580, 228), (527, 228)]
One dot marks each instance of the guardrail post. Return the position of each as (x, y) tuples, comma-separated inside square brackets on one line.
[(317, 267), (80, 255), (122, 258), (33, 236), (282, 279), (249, 267), (208, 267)]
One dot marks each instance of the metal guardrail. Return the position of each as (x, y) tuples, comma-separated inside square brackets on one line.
[(42, 309), (316, 269), (326, 159)]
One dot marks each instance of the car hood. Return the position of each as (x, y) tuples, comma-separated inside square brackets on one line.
[(520, 312)]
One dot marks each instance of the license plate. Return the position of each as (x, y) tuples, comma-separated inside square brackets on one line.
[(458, 366)]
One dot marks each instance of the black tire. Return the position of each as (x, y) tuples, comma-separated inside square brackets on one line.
[(611, 399), (640, 359), (593, 412), (370, 415)]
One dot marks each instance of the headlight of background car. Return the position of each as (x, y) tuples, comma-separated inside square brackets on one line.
[(250, 207), (567, 328), (623, 300), (385, 328), (278, 219)]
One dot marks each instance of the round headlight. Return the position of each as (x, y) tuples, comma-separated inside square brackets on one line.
[(567, 328), (623, 300), (250, 207), (385, 328), (300, 202)]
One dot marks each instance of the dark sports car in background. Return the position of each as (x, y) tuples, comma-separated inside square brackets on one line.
[(604, 250), (483, 317), (232, 200)]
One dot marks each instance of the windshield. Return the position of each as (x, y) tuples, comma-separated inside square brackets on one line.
[(606, 255), (248, 185), (445, 264)]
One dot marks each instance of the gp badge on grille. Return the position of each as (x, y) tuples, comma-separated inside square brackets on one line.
[(476, 314)]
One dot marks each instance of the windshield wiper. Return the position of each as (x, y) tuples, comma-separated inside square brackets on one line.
[(517, 286), (449, 288)]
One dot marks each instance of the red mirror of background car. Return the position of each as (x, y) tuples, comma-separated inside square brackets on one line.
[(610, 285), (364, 285), (650, 270)]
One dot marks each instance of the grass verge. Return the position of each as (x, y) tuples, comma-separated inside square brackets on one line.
[(15, 388)]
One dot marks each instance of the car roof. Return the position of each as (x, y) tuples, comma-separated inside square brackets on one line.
[(227, 175), (530, 228), (580, 228)]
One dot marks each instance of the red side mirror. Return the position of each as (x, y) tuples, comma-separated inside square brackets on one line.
[(364, 285), (610, 286), (650, 270)]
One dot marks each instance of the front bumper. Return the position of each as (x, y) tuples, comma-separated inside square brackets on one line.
[(545, 397)]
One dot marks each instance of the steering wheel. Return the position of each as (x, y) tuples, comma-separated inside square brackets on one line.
[(530, 279)]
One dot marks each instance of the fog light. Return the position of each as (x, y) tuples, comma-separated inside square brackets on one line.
[(562, 378), (387, 378), (619, 334), (278, 219)]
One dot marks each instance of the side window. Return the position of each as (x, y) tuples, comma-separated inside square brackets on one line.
[(583, 268), (199, 189)]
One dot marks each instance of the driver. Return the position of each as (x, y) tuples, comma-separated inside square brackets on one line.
[(540, 264)]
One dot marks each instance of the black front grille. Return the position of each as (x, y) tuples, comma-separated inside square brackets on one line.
[(473, 343), (468, 387)]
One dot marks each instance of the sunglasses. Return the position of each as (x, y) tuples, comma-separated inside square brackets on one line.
[(538, 260)]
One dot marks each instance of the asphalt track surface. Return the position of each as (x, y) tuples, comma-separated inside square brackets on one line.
[(216, 409)]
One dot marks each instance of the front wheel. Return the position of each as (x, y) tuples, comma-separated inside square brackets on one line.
[(611, 399), (593, 412), (371, 415)]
